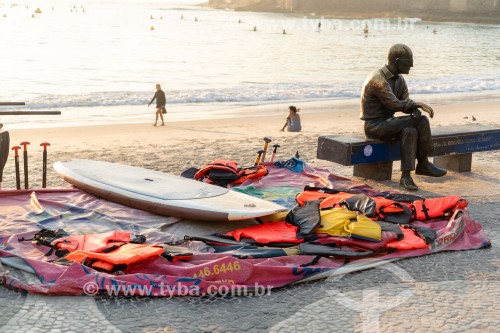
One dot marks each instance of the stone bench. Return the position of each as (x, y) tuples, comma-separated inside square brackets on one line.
[(372, 159)]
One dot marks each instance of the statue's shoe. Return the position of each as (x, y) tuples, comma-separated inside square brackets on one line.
[(430, 169), (408, 183)]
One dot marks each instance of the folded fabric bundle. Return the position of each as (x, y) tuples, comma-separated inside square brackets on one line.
[(331, 251), (306, 218), (359, 244)]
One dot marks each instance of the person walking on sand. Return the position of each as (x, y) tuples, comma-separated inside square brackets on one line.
[(160, 104), (292, 123)]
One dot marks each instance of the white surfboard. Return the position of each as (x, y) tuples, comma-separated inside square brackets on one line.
[(162, 193)]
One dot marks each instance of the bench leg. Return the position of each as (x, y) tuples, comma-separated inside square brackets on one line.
[(374, 171), (457, 163)]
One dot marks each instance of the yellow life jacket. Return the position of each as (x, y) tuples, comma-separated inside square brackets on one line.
[(364, 228), (334, 220), (337, 222)]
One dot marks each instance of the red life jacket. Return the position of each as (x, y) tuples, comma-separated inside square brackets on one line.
[(410, 241), (223, 165), (225, 172), (430, 208), (393, 211), (257, 171), (269, 232)]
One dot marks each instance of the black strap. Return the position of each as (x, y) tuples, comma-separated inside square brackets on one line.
[(425, 210), (313, 262), (213, 239), (328, 190)]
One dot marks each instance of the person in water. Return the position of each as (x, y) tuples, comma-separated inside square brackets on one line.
[(292, 123), (385, 93), (161, 101)]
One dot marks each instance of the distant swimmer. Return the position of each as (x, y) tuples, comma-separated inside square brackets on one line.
[(196, 19), (365, 30), (239, 21), (319, 25), (434, 31), (284, 32), (255, 28)]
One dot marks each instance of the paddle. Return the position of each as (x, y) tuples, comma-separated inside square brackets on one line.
[(266, 144), (12, 103), (25, 155), (27, 113), (4, 152), (44, 170), (16, 163)]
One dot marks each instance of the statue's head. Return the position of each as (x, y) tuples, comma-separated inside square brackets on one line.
[(400, 58)]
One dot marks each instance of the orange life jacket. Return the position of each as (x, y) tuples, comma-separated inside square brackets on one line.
[(436, 207), (92, 242), (118, 259), (328, 200)]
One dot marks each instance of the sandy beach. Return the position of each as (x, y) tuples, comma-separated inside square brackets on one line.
[(451, 292), (183, 144)]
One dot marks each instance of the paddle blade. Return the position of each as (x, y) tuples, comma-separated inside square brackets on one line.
[(4, 152)]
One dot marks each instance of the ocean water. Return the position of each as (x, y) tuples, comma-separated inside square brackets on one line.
[(98, 61)]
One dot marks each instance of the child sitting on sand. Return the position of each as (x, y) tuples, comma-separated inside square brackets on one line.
[(292, 123)]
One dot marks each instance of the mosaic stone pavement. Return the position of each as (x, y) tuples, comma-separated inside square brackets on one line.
[(443, 292)]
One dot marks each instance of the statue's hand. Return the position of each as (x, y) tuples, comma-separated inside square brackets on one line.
[(425, 108)]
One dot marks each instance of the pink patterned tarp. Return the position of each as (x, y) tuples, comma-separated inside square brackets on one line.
[(28, 267)]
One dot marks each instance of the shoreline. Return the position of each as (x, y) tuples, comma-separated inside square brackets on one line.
[(140, 114)]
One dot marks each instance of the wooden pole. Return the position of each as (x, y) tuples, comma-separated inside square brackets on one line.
[(27, 113)]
